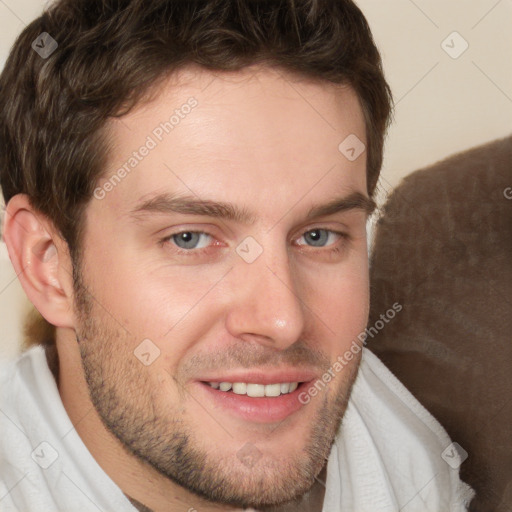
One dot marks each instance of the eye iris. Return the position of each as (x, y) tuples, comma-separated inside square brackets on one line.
[(186, 240), (317, 237)]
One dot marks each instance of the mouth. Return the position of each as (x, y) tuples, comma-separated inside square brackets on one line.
[(255, 390), (256, 399)]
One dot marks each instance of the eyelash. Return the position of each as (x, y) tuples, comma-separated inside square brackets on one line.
[(195, 252)]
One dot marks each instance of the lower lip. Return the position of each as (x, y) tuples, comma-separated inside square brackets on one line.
[(257, 410)]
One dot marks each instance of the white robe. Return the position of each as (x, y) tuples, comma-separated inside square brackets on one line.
[(386, 456)]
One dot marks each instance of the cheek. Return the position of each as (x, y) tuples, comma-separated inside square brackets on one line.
[(159, 302), (340, 300)]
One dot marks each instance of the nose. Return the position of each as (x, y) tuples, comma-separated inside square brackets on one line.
[(266, 306)]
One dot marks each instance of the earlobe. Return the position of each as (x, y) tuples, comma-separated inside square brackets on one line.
[(41, 261)]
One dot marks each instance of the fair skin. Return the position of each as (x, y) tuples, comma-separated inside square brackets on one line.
[(267, 143)]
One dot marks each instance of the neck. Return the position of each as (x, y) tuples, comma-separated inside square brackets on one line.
[(138, 505), (312, 501)]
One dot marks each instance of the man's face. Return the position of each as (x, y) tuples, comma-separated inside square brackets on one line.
[(175, 300)]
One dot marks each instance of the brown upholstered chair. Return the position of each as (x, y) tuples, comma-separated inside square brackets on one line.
[(443, 250)]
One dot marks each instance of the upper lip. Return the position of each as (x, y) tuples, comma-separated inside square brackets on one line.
[(262, 376)]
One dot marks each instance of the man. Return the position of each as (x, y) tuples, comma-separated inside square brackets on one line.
[(187, 189)]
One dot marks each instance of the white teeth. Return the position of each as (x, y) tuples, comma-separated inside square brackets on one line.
[(256, 390), (225, 386), (285, 387), (240, 388), (272, 389)]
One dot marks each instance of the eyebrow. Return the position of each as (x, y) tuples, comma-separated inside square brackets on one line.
[(186, 204)]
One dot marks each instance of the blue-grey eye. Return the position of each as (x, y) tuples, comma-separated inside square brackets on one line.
[(190, 239), (319, 237)]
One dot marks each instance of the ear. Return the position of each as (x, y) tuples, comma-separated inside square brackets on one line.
[(41, 260)]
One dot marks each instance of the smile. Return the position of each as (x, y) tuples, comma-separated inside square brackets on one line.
[(256, 402), (256, 390)]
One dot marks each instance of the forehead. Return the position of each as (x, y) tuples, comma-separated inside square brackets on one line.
[(237, 135)]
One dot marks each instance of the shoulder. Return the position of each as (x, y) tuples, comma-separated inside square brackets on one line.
[(45, 464), (16, 375), (406, 443)]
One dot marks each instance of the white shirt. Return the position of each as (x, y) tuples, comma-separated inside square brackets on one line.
[(386, 456)]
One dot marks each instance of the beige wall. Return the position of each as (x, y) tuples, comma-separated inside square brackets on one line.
[(443, 104)]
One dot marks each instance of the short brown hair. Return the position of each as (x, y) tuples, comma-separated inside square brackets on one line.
[(110, 52)]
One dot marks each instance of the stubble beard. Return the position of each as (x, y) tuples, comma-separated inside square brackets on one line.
[(123, 395)]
